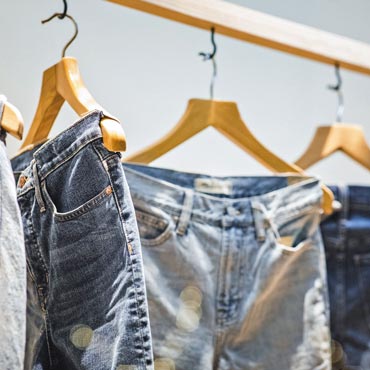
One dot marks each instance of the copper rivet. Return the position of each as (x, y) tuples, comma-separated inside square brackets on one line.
[(108, 190), (22, 181)]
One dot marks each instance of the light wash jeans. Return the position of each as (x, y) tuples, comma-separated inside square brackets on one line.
[(235, 270), (12, 268)]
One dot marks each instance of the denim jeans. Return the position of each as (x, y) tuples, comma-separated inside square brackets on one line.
[(235, 269), (347, 243), (87, 306), (12, 269)]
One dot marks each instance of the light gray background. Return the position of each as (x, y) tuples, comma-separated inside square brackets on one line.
[(144, 69)]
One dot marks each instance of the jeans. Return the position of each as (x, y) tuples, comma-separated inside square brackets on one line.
[(235, 270), (86, 306), (347, 243), (12, 269)]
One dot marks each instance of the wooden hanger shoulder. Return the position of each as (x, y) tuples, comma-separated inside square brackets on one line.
[(194, 120), (63, 82), (12, 120), (348, 138), (225, 117)]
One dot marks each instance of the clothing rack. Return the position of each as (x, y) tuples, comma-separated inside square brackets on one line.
[(262, 29)]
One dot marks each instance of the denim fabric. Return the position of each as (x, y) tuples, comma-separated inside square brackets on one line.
[(235, 270), (87, 306), (12, 269), (347, 243)]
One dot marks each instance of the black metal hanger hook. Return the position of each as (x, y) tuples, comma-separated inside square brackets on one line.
[(62, 16), (211, 56), (208, 56), (338, 89), (338, 86)]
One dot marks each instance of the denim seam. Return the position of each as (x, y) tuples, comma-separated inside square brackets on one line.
[(71, 127), (66, 159), (220, 282), (42, 295), (133, 275), (165, 235), (47, 332), (32, 276), (217, 349), (154, 221), (81, 210)]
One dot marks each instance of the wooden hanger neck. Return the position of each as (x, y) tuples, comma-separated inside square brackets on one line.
[(63, 82)]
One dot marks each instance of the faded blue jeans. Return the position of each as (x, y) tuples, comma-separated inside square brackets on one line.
[(87, 306), (347, 244), (12, 268), (235, 270)]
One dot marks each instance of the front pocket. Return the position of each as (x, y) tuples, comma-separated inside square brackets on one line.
[(294, 247), (296, 234), (153, 230), (77, 185), (84, 208)]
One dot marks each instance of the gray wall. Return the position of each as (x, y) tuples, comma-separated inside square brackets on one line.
[(144, 69)]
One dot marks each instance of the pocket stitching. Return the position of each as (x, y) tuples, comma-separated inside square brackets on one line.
[(302, 245), (81, 210), (159, 239), (154, 221)]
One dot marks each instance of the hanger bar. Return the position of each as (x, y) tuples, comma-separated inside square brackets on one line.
[(262, 29)]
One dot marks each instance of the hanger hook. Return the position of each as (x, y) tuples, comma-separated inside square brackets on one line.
[(62, 16), (211, 56), (338, 89)]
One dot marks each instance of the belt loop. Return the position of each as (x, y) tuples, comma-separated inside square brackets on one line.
[(262, 221), (38, 194), (259, 220), (185, 212)]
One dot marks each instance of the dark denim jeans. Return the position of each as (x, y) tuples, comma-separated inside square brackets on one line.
[(347, 242), (87, 306)]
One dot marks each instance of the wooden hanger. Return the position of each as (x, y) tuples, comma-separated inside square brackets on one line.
[(224, 116), (63, 82), (12, 120), (347, 138)]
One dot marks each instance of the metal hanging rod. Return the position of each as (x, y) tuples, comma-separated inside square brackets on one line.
[(252, 26)]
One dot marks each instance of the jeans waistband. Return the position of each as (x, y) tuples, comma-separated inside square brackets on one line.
[(283, 197), (57, 150)]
